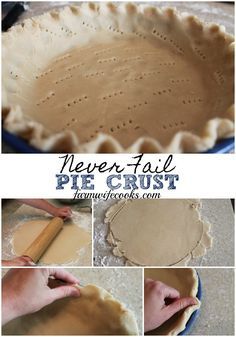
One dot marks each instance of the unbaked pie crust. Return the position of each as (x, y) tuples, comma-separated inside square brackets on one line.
[(118, 78), (95, 312), (160, 232), (185, 280)]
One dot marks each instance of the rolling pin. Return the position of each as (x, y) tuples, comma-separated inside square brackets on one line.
[(41, 243)]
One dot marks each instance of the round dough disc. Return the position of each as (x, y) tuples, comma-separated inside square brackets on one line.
[(157, 232), (63, 249)]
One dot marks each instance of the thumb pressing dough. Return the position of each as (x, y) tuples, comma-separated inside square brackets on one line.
[(95, 312), (157, 232), (65, 247), (185, 280)]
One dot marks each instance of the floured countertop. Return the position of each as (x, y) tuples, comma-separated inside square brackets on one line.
[(124, 284), (216, 315), (218, 212), (15, 214)]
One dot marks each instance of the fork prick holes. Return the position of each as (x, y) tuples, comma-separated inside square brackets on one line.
[(192, 101), (162, 92), (111, 95), (173, 124), (79, 100)]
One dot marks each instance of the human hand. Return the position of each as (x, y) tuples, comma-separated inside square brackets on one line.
[(26, 290), (156, 307), (62, 212), (18, 261)]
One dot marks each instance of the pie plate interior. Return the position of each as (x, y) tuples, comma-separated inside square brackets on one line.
[(191, 109), (195, 314)]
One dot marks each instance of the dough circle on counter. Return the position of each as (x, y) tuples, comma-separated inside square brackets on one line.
[(63, 249), (185, 280), (95, 312), (157, 232)]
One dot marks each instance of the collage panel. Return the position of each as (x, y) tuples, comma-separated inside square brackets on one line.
[(198, 301), (126, 60), (47, 232), (102, 301), (164, 232)]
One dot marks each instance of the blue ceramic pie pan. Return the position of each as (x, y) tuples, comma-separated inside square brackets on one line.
[(195, 314), (18, 144)]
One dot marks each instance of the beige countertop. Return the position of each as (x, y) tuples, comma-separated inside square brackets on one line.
[(124, 284), (217, 309), (218, 212)]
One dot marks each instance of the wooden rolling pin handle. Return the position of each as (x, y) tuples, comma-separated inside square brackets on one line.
[(41, 243)]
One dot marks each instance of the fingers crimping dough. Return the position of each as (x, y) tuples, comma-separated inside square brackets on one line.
[(95, 312), (185, 280)]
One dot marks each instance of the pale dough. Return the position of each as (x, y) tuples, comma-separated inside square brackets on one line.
[(158, 232), (96, 312), (185, 280), (63, 249), (153, 75), (142, 75)]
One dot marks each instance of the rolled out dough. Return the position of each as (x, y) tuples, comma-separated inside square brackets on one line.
[(157, 232), (63, 249), (95, 312), (185, 280)]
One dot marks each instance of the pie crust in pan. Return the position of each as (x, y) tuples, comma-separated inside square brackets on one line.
[(185, 280), (118, 78)]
